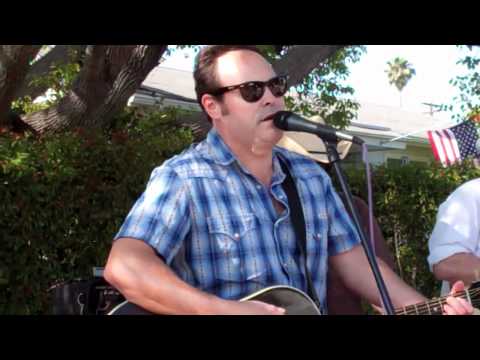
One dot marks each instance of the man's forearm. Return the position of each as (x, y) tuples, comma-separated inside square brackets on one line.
[(461, 266), (145, 280), (400, 292), (355, 271)]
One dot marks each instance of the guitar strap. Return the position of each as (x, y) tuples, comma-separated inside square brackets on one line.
[(298, 221)]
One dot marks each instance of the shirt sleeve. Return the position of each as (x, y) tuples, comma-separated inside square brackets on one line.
[(342, 235), (160, 216), (456, 229)]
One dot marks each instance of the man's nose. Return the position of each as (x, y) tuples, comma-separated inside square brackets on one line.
[(268, 97)]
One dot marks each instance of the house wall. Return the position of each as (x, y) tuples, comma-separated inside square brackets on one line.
[(414, 153), (376, 156), (142, 100)]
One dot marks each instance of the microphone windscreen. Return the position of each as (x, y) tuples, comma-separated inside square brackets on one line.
[(280, 120)]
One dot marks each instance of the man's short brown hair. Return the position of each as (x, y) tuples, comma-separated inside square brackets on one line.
[(204, 72)]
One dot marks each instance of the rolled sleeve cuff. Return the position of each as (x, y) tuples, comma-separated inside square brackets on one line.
[(444, 251), (342, 243)]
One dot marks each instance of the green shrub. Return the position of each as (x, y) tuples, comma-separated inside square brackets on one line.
[(406, 201), (65, 196)]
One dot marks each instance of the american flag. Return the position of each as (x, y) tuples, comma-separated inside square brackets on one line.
[(455, 144)]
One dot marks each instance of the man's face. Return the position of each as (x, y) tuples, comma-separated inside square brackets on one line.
[(243, 123)]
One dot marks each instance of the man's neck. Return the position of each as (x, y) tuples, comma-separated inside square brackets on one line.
[(259, 164)]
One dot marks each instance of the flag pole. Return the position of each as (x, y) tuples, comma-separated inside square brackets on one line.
[(417, 132)]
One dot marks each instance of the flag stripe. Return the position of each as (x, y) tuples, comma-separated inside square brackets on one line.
[(432, 144), (441, 148), (448, 147), (453, 145)]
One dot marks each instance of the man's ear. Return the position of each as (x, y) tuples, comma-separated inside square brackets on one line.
[(211, 106)]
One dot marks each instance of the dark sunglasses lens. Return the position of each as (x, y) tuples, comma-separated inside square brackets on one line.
[(278, 86), (252, 92)]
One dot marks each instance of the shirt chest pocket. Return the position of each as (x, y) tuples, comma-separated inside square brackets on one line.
[(229, 230), (317, 233), (234, 243)]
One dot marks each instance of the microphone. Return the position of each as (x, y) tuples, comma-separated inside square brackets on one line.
[(288, 121)]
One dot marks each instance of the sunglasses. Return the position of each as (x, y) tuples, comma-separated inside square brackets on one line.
[(252, 91)]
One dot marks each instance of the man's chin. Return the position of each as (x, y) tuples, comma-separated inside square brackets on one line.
[(264, 144)]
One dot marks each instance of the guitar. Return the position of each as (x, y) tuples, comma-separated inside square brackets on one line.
[(296, 302)]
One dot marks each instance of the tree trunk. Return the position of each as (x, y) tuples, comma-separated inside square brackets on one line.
[(300, 60), (297, 63), (59, 55), (14, 65), (109, 76)]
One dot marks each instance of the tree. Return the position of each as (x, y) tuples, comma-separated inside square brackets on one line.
[(107, 77), (14, 65), (399, 71), (59, 57), (467, 103), (94, 82)]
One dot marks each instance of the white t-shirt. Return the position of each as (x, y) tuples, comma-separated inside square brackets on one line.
[(457, 228)]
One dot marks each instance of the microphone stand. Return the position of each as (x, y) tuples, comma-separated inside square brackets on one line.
[(331, 144)]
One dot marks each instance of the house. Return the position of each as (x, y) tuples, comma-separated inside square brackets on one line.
[(167, 87), (393, 136)]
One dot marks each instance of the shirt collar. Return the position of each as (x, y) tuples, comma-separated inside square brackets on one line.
[(217, 150)]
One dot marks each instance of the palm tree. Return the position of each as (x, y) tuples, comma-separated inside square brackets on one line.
[(399, 71)]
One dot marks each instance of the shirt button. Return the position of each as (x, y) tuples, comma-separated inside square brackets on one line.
[(259, 187), (237, 235)]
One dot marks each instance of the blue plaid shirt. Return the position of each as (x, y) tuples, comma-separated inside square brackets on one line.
[(216, 226)]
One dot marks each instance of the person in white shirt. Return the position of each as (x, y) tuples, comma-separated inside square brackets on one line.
[(454, 245)]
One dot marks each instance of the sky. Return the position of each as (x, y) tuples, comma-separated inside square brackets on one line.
[(435, 66)]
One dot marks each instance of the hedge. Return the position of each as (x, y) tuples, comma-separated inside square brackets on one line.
[(65, 196), (406, 201)]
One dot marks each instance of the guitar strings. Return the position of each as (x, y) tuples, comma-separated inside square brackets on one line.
[(427, 307)]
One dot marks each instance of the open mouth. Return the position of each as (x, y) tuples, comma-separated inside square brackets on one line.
[(268, 118)]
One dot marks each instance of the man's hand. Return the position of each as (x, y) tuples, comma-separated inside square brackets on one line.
[(253, 307), (457, 305)]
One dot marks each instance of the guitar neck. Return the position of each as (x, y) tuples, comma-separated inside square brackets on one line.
[(435, 306)]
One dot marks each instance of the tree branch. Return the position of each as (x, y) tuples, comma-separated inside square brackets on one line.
[(109, 76), (59, 55), (14, 63), (301, 60)]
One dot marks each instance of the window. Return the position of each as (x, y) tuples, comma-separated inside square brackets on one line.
[(404, 160), (394, 162)]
